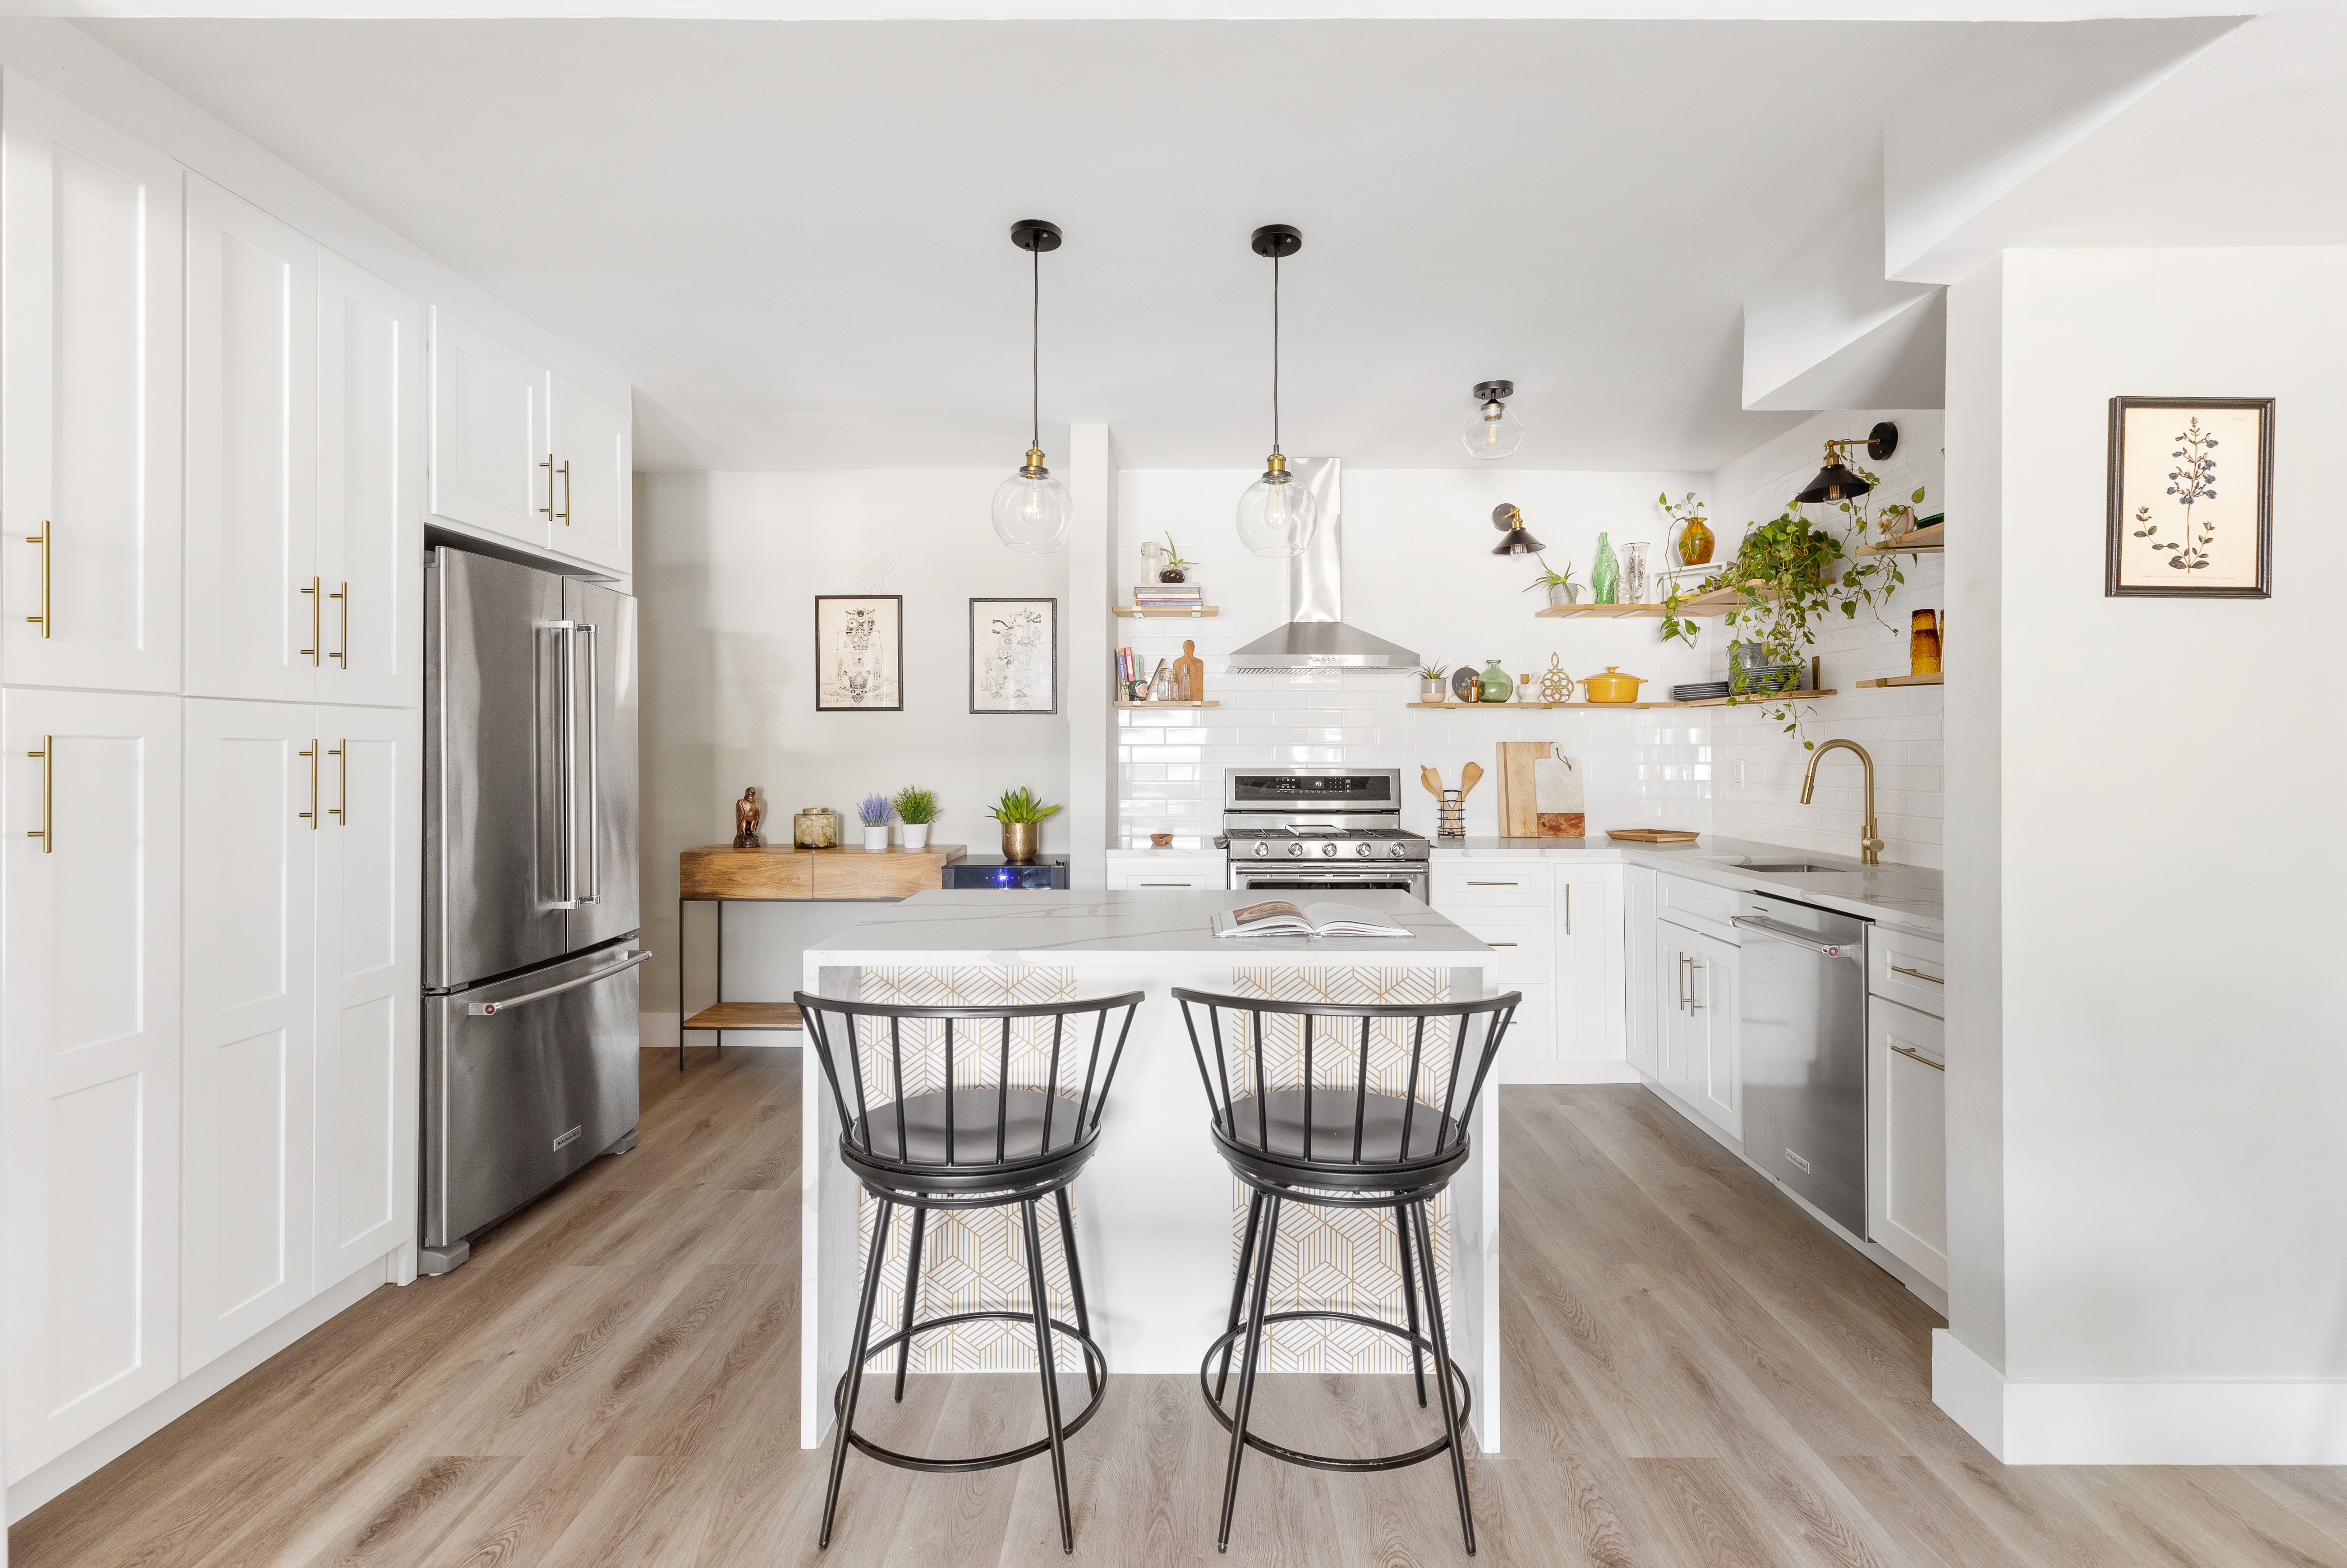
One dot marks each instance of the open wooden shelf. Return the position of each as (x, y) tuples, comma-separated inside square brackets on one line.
[(1201, 702), (1598, 612), (1917, 542), (1746, 700), (747, 1015), (1144, 611), (1933, 680)]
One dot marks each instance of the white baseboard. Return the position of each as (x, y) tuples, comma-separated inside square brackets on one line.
[(93, 1453), (1581, 1070), (657, 1031), (2140, 1421)]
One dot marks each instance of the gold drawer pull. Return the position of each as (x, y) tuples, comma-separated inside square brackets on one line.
[(342, 812), (1490, 884), (1919, 1056), (311, 815), (44, 833), (566, 492), (1499, 944), (316, 609), (1918, 974), (49, 531), (342, 655)]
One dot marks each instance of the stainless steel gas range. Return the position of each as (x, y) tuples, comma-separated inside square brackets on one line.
[(1319, 831)]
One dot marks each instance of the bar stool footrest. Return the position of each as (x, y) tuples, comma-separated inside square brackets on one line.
[(1323, 1462), (1095, 1374)]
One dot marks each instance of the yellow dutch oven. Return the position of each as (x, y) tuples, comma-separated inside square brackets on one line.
[(1612, 686)]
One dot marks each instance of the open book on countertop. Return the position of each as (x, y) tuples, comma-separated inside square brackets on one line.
[(1278, 917)]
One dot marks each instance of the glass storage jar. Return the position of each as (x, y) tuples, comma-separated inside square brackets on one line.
[(816, 827)]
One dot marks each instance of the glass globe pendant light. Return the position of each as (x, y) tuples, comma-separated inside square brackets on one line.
[(1277, 515), (1031, 509), (1493, 432)]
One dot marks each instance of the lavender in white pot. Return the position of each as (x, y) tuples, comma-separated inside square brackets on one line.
[(874, 811)]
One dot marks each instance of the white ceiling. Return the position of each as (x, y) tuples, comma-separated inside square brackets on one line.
[(791, 236)]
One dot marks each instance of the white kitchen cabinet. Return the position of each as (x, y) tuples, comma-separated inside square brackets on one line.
[(1696, 1002), (370, 487), (590, 447), (490, 467), (90, 400), (1510, 905), (1588, 966), (89, 1063), (257, 615), (257, 791), (1908, 968), (1907, 1138), (1640, 962), (1134, 870), (368, 929)]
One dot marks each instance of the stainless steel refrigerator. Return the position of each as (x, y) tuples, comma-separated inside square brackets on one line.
[(530, 908)]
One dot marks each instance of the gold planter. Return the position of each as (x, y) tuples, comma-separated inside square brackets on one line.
[(1019, 841)]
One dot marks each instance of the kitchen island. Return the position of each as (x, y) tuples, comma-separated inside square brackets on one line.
[(1157, 1210)]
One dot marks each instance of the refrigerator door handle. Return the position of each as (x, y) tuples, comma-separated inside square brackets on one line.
[(566, 752), (594, 894), (491, 1009)]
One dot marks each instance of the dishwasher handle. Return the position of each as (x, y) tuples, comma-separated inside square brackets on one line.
[(1823, 949), (491, 1009)]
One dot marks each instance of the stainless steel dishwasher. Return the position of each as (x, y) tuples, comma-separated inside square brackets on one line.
[(1803, 1018)]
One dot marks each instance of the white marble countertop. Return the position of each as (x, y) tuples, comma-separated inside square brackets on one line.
[(1086, 928), (1911, 896)]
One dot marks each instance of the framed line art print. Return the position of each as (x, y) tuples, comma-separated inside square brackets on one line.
[(1014, 655), (859, 653), (2192, 498)]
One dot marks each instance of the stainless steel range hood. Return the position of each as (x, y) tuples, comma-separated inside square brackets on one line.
[(1316, 635)]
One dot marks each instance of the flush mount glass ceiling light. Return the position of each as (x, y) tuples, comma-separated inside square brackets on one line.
[(1519, 541), (1493, 432), (1276, 516), (1835, 482), (1031, 507)]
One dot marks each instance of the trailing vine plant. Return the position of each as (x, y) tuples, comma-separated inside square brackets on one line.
[(1789, 575)]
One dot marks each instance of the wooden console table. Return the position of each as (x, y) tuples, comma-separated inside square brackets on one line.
[(722, 875)]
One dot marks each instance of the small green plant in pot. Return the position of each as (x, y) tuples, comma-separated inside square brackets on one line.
[(1433, 682), (1021, 814), (1174, 569), (915, 808), (1561, 589)]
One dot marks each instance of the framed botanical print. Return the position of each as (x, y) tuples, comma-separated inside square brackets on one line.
[(859, 653), (1014, 655), (2192, 498)]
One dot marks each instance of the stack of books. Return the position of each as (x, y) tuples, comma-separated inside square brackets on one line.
[(1169, 595)]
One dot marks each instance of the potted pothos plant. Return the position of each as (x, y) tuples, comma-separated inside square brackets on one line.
[(1561, 589), (1791, 576)]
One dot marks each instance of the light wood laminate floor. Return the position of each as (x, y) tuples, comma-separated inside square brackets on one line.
[(1697, 1375)]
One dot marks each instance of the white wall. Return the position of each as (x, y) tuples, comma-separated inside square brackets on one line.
[(2168, 1034), (728, 566), (1757, 789)]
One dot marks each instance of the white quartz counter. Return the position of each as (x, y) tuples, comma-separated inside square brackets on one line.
[(1068, 929), (1910, 897)]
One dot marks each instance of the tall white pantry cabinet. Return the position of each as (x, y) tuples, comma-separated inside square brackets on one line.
[(211, 496)]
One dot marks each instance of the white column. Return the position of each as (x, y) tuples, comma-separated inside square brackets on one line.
[(1087, 632)]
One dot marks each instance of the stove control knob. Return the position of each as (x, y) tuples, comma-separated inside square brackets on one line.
[(1294, 851), (1362, 848), (1395, 853), (1329, 849), (1262, 850)]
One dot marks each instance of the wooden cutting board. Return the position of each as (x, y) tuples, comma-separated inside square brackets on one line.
[(1653, 835), (1518, 808)]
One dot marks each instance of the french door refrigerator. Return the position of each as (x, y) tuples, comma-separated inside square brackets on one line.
[(530, 907)]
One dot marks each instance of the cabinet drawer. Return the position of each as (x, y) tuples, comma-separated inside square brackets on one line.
[(1908, 969), (1907, 1146), (1496, 884), (1525, 938), (1698, 905), (1139, 873)]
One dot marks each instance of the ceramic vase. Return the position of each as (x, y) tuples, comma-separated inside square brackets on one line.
[(1432, 689), (1563, 593), (1604, 574)]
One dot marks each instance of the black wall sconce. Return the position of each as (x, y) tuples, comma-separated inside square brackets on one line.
[(1835, 482), (1510, 521)]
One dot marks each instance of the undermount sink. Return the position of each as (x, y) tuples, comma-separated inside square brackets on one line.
[(1784, 867)]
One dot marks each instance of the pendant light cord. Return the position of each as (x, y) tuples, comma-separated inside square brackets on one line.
[(1275, 354), (1035, 351)]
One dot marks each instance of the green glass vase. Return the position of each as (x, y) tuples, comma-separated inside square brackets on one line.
[(1498, 687), (1604, 574)]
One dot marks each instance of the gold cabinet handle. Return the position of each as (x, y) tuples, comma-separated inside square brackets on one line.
[(566, 491), (549, 467), (49, 839), (1568, 908), (1683, 982), (1919, 1056), (342, 813), (316, 641), (342, 655), (1918, 974), (49, 531), (1692, 965), (311, 815)]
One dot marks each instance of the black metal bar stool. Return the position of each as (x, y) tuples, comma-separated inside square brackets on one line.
[(960, 1126), (1326, 1126)]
